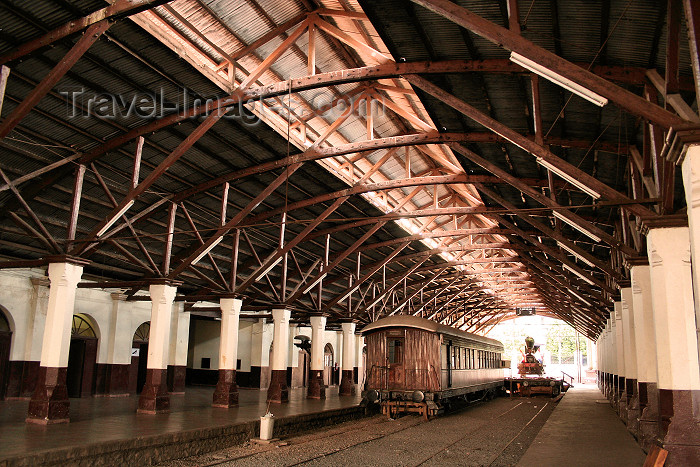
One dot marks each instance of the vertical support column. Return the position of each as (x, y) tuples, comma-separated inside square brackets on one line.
[(600, 352), (647, 388), (278, 391), (116, 373), (610, 356), (154, 395), (630, 346), (179, 341), (226, 392), (691, 183), (347, 386), (49, 403), (676, 343), (317, 390), (620, 394)]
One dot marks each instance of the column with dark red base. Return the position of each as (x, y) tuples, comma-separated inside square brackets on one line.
[(155, 397), (317, 390), (347, 384), (226, 392), (647, 393), (49, 403), (675, 329), (648, 415), (278, 391), (632, 406)]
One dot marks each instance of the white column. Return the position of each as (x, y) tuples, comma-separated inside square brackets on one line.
[(162, 297), (228, 345), (612, 348), (628, 336), (691, 183), (674, 308), (619, 341), (348, 346), (280, 342), (318, 328), (64, 279), (643, 324)]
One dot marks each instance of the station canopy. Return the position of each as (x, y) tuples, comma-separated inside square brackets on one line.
[(460, 161)]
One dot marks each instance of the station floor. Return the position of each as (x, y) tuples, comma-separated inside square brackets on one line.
[(583, 430), (104, 419)]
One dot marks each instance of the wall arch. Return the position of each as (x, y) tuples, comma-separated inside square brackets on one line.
[(6, 318), (81, 376), (6, 328)]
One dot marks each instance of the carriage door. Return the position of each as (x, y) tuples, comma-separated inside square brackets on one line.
[(395, 353)]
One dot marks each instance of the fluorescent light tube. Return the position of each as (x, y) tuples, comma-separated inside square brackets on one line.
[(573, 224), (268, 269), (582, 276), (114, 218), (579, 297), (315, 283), (349, 292), (556, 78), (586, 189), (573, 252), (207, 250)]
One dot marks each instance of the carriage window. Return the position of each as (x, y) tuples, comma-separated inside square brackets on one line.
[(395, 347), (465, 361), (459, 358)]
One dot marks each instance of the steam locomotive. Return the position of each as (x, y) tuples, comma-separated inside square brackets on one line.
[(418, 365)]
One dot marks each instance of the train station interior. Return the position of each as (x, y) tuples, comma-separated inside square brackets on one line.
[(208, 208)]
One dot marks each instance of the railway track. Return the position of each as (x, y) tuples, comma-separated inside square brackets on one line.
[(335, 446)]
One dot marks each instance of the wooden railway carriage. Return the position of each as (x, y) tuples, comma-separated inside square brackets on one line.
[(417, 365)]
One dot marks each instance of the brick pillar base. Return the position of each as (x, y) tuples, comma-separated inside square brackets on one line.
[(679, 433), (154, 396), (226, 392), (317, 390), (632, 407), (278, 391), (649, 417), (49, 403), (622, 399), (347, 388)]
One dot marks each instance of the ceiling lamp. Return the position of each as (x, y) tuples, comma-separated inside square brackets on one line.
[(556, 170), (556, 78), (576, 226)]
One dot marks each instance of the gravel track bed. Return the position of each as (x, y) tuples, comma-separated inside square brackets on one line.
[(491, 433)]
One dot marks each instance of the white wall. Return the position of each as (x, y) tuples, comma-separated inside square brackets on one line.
[(24, 294), (205, 343)]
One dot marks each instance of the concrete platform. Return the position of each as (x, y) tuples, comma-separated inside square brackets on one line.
[(583, 432), (108, 431)]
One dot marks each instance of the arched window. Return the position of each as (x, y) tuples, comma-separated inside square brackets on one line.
[(81, 327), (142, 332)]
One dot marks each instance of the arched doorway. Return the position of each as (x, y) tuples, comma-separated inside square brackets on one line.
[(82, 358), (139, 358), (328, 365), (5, 341)]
